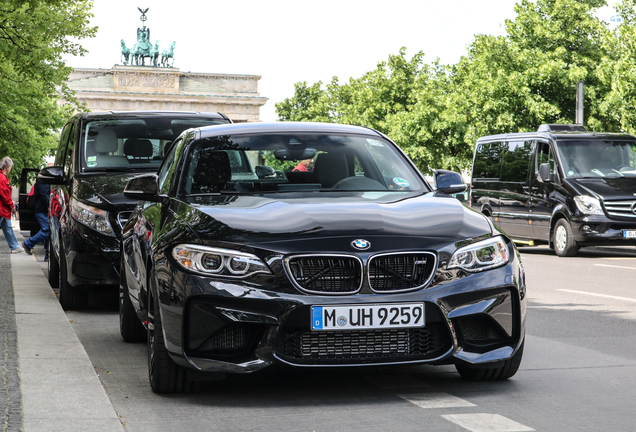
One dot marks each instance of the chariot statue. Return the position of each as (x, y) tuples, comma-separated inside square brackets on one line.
[(144, 49)]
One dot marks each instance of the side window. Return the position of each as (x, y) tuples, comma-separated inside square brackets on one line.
[(516, 161), (166, 171), (488, 161), (61, 149), (545, 154), (68, 156)]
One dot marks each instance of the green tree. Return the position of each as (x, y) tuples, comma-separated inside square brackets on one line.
[(34, 37)]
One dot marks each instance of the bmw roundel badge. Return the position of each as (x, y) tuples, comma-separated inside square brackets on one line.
[(361, 244)]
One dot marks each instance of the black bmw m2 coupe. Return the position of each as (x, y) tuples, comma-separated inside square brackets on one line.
[(312, 245)]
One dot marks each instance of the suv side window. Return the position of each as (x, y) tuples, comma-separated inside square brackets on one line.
[(545, 154), (166, 170), (59, 155), (488, 161)]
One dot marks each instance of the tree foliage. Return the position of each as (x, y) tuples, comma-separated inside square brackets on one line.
[(510, 83), (34, 36)]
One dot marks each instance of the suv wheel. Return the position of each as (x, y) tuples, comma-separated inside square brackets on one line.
[(70, 297), (502, 372), (130, 326), (564, 244), (164, 374)]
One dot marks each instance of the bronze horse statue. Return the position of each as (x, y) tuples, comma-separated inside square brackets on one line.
[(168, 54), (154, 54), (142, 48), (125, 53)]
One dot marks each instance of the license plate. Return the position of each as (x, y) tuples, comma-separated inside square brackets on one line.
[(629, 234), (359, 317)]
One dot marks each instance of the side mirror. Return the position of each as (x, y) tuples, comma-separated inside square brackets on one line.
[(449, 182), (264, 171), (544, 172), (53, 175), (143, 188)]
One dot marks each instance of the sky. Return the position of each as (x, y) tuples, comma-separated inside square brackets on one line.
[(289, 41)]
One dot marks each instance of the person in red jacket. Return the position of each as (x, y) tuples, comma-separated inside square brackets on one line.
[(6, 205)]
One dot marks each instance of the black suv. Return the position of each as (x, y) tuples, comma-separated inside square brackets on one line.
[(562, 186), (97, 155)]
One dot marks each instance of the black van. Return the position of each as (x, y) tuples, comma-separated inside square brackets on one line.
[(97, 155), (562, 186)]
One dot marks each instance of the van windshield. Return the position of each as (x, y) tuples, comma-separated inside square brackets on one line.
[(598, 158), (124, 144)]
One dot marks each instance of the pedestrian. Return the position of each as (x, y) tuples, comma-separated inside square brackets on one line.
[(6, 205), (41, 199)]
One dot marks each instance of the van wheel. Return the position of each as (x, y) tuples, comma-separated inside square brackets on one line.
[(70, 297), (53, 269), (164, 374), (564, 244), (130, 326), (502, 372)]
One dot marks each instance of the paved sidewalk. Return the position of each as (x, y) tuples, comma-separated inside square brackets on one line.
[(59, 386)]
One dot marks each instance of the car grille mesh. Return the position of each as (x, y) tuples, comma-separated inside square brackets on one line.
[(327, 274), (400, 272), (363, 346), (624, 208)]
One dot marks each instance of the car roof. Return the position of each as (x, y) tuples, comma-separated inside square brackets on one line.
[(556, 136), (285, 127), (171, 114)]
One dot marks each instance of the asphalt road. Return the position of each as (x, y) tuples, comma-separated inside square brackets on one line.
[(578, 372)]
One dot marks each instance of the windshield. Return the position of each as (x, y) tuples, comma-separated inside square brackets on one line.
[(596, 158), (296, 162), (134, 143)]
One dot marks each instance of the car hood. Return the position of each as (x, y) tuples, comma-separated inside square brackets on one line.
[(257, 220), (104, 191), (607, 188)]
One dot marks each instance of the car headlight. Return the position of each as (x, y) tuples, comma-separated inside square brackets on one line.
[(220, 262), (588, 205), (92, 217), (483, 255)]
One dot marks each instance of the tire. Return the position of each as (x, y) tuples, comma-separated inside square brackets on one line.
[(499, 373), (564, 244), (70, 297), (130, 327), (53, 269), (164, 374)]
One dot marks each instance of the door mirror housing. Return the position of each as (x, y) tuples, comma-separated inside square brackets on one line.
[(544, 173), (143, 188), (449, 182), (52, 175)]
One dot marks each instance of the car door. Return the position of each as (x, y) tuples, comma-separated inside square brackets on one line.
[(28, 222), (59, 193), (514, 199), (545, 195)]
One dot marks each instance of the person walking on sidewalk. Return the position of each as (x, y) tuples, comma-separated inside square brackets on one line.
[(41, 199), (6, 205)]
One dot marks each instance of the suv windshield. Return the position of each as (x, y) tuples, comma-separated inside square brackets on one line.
[(296, 162), (598, 158), (133, 143)]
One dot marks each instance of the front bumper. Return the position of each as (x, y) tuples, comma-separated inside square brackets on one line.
[(92, 258), (225, 327), (601, 231)]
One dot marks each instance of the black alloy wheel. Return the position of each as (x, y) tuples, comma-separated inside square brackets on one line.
[(164, 374), (53, 268), (70, 297), (564, 244), (501, 372), (130, 327)]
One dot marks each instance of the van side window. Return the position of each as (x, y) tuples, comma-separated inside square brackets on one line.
[(545, 155), (68, 156), (59, 156), (488, 161), (516, 160)]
